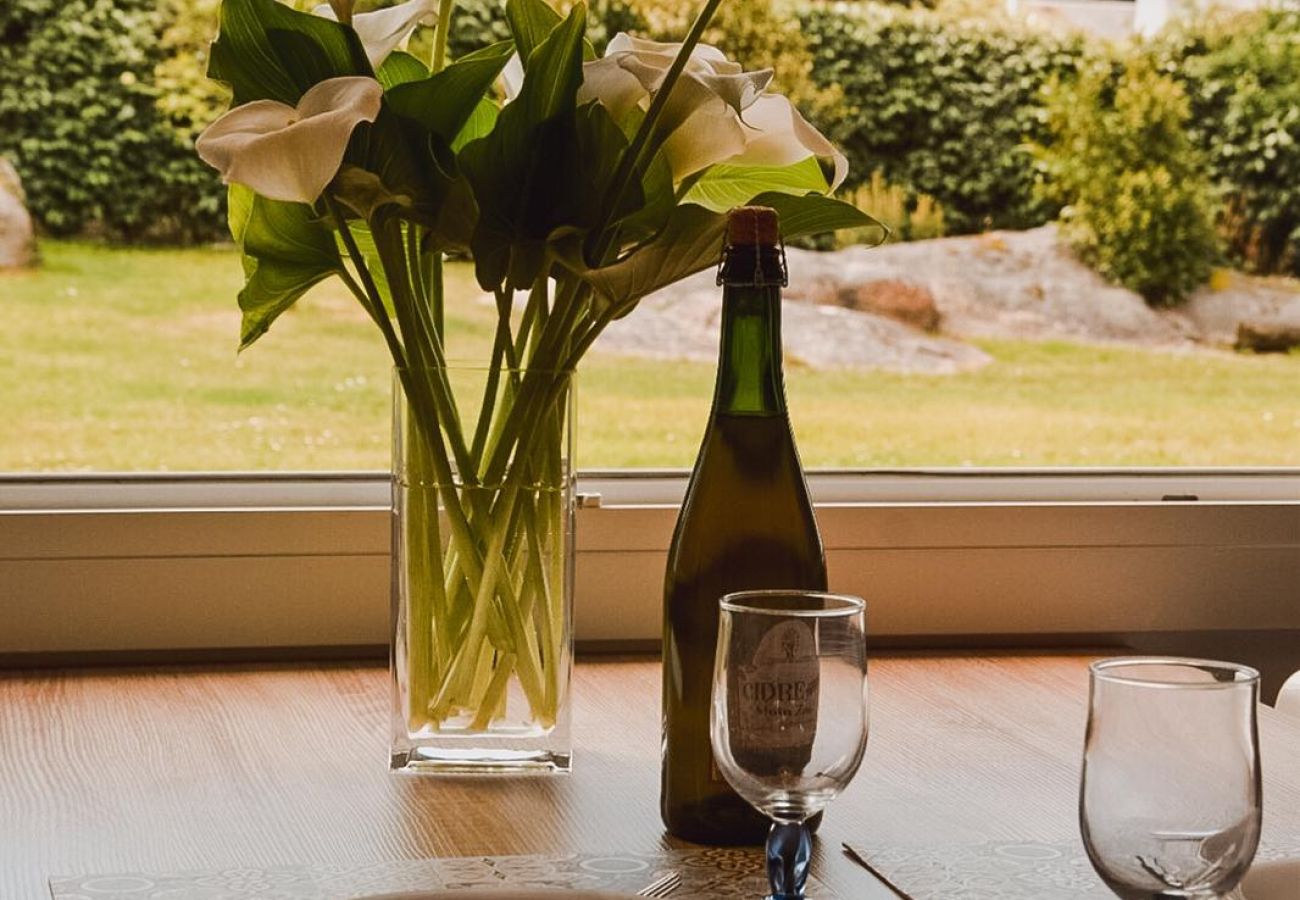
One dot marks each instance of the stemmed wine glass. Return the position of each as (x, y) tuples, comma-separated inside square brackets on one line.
[(789, 721), (1169, 804)]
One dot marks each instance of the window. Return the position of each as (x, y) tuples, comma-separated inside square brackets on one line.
[(995, 354)]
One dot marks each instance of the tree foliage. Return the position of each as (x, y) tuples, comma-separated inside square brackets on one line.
[(942, 106), (81, 121), (1138, 204), (1241, 74)]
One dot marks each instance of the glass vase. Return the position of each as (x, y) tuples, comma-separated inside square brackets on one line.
[(483, 513)]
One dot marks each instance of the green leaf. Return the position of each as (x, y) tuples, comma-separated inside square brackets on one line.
[(286, 250), (364, 193), (268, 51), (442, 103), (657, 202), (531, 22), (415, 169), (400, 68), (479, 125), (723, 187), (524, 171), (691, 242), (814, 214)]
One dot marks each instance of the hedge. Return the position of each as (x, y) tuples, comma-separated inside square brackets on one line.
[(941, 106), (79, 120), (1241, 73)]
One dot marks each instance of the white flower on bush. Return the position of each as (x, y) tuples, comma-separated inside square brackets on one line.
[(716, 113), (290, 153), (383, 30)]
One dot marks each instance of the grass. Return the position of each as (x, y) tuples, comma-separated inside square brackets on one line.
[(124, 360)]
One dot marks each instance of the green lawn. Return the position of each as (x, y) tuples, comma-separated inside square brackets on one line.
[(122, 360)]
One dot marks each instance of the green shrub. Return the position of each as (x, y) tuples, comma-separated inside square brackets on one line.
[(909, 217), (478, 23), (186, 97), (942, 106), (1138, 199), (80, 121), (1241, 73)]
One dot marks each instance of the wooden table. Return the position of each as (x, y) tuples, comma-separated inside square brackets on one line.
[(166, 770)]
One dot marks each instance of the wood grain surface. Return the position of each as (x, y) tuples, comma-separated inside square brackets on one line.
[(166, 770)]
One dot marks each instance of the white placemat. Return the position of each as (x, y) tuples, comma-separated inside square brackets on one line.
[(721, 874), (999, 870)]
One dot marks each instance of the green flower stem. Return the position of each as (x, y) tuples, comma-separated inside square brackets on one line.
[(538, 686), (494, 693), (433, 278), (424, 408), (411, 317), (536, 390), (419, 639), (427, 600), (440, 37), (502, 340), (495, 613)]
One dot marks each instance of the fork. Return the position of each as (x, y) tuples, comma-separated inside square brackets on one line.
[(661, 887)]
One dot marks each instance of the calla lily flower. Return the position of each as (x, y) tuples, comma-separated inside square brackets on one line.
[(717, 112), (780, 136), (290, 153), (383, 30), (512, 76), (342, 10)]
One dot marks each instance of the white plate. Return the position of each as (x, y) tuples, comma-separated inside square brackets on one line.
[(1273, 880)]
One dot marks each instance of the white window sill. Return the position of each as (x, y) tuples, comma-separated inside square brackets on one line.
[(158, 563)]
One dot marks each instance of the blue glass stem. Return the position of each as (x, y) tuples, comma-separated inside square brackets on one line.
[(789, 848)]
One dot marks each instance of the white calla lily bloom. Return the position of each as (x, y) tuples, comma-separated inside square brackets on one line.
[(290, 153), (781, 136), (717, 112), (342, 10), (512, 76), (383, 30)]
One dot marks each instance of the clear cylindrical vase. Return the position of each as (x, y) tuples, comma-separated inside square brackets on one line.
[(482, 584)]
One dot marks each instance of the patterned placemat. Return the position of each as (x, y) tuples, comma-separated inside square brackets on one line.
[(996, 871), (706, 875)]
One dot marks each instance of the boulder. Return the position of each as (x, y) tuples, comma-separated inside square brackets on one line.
[(903, 301), (1267, 338), (683, 321), (1004, 284), (1218, 312), (17, 241)]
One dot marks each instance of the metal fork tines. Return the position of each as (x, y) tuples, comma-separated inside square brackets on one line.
[(661, 887)]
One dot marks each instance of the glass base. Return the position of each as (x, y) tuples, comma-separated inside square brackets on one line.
[(425, 760)]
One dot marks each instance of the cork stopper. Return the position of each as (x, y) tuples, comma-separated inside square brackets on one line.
[(753, 226)]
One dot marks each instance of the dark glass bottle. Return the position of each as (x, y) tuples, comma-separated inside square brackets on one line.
[(746, 524)]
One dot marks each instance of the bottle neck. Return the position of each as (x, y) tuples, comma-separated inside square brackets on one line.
[(750, 380)]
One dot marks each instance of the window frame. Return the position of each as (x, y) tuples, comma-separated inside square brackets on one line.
[(161, 564)]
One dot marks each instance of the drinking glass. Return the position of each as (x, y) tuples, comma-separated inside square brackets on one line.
[(789, 719), (1169, 804)]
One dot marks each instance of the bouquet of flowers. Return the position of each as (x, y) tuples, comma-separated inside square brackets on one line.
[(583, 183)]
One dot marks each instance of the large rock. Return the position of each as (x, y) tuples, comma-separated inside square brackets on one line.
[(683, 322), (1218, 312), (1004, 284), (872, 308), (17, 241), (902, 301)]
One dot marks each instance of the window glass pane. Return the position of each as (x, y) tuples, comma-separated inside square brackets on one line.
[(978, 337), (124, 360)]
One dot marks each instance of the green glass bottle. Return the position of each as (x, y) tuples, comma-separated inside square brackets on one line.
[(746, 524)]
